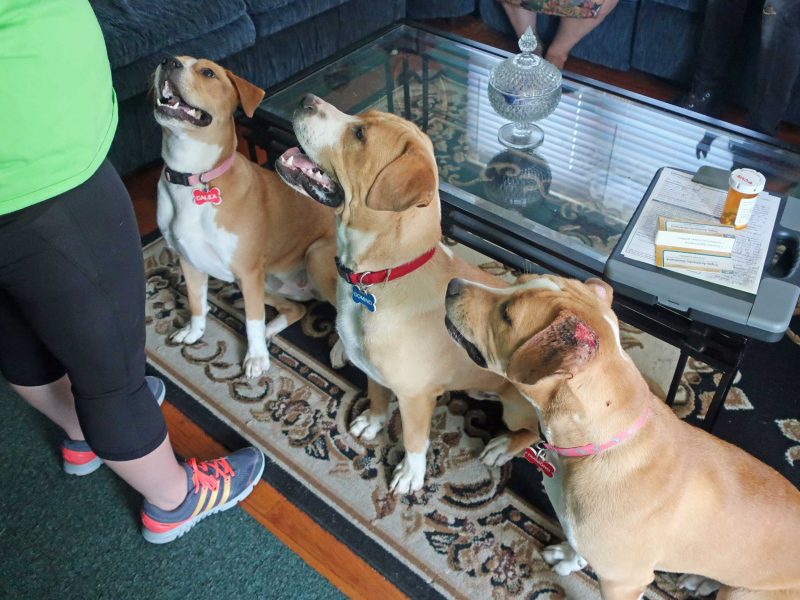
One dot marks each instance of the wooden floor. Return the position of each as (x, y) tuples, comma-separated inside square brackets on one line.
[(317, 547)]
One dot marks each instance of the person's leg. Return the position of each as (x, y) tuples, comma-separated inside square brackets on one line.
[(33, 371), (55, 401), (778, 64), (76, 273), (157, 476), (77, 277), (520, 18), (722, 27), (572, 30)]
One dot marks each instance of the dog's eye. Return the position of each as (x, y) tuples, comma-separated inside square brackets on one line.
[(359, 133), (504, 313), (208, 73)]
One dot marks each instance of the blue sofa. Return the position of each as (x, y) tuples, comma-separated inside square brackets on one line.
[(660, 37), (264, 41)]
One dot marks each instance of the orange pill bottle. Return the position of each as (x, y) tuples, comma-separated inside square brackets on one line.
[(744, 186)]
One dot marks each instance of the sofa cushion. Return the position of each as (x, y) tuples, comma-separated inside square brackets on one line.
[(434, 9), (137, 28), (276, 15), (135, 77), (694, 6)]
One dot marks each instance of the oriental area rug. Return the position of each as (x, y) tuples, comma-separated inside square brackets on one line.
[(472, 531)]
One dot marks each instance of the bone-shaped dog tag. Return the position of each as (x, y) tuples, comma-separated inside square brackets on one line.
[(536, 457), (363, 297), (211, 196)]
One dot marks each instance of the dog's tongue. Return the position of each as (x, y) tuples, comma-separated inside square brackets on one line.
[(295, 158)]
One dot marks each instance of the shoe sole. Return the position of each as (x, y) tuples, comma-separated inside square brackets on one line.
[(163, 388), (84, 469), (168, 536), (93, 465)]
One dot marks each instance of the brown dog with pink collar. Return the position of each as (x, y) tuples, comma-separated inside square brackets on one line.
[(636, 489), (229, 218)]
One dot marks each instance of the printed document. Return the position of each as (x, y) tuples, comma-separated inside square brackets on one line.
[(676, 196)]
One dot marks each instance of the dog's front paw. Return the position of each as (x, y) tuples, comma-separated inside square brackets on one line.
[(338, 356), (409, 475), (563, 558), (496, 453), (698, 585), (366, 425), (255, 363), (191, 332)]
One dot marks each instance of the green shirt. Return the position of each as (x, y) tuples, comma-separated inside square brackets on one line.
[(58, 112)]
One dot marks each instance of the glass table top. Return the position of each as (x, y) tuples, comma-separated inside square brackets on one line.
[(579, 189)]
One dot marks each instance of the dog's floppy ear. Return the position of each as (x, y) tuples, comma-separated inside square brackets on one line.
[(562, 348), (409, 180), (250, 96)]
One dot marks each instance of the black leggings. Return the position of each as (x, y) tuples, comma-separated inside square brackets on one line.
[(72, 302)]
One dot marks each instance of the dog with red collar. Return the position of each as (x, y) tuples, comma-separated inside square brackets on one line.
[(229, 218), (378, 173)]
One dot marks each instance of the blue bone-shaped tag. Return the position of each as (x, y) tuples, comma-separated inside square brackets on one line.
[(364, 298)]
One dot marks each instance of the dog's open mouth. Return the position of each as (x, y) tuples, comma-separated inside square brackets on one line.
[(304, 175), (170, 104), (472, 350)]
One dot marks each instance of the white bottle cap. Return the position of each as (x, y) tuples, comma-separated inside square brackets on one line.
[(747, 181)]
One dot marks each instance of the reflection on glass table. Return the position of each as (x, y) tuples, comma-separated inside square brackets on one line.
[(601, 149)]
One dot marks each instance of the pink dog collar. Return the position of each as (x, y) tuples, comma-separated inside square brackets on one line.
[(193, 179), (590, 449)]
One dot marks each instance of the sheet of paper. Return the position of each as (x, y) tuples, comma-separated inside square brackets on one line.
[(676, 196)]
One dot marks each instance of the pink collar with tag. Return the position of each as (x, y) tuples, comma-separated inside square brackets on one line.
[(590, 449), (536, 454), (193, 179), (205, 195)]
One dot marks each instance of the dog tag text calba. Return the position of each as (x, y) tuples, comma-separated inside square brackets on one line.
[(211, 196)]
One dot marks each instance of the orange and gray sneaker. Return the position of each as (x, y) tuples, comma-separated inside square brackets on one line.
[(78, 456), (213, 486)]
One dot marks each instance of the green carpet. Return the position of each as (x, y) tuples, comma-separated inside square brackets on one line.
[(68, 537)]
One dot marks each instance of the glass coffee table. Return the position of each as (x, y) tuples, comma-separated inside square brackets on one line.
[(559, 208)]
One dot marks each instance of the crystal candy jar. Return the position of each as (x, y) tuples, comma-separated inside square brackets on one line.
[(524, 88)]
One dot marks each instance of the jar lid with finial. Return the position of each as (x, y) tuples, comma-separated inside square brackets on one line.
[(525, 75)]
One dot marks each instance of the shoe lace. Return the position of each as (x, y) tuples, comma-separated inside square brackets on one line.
[(206, 474)]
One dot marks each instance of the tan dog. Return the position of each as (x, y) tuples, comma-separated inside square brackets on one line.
[(234, 220), (379, 173), (661, 494)]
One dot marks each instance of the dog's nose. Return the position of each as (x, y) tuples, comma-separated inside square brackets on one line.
[(454, 287), (310, 102), (171, 63)]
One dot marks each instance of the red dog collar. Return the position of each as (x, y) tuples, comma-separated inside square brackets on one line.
[(368, 278), (192, 179)]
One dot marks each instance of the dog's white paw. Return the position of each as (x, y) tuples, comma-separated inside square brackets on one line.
[(366, 426), (496, 453), (191, 332), (409, 475), (255, 363), (698, 585), (563, 558), (338, 356)]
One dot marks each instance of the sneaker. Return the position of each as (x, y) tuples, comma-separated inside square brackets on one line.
[(78, 456), (213, 486)]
